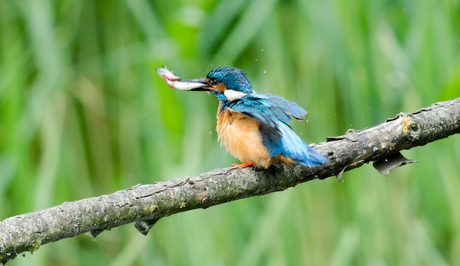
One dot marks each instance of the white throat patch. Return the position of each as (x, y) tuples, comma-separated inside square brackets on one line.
[(234, 95)]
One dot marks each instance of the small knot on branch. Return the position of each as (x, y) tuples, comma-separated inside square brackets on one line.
[(411, 128)]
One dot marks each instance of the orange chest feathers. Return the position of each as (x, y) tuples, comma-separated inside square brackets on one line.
[(241, 136)]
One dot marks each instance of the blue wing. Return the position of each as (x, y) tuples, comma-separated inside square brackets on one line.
[(268, 108), (273, 112)]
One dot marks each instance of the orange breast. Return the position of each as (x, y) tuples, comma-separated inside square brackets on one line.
[(241, 137)]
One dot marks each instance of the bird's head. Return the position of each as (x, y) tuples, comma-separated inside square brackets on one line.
[(229, 83)]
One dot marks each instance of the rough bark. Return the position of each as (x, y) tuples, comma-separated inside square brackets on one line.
[(146, 204)]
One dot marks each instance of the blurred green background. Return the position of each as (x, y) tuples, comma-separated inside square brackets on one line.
[(83, 113)]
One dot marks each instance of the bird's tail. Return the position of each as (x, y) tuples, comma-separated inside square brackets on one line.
[(314, 158), (295, 148)]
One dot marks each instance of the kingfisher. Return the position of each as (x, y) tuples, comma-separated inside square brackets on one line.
[(252, 126)]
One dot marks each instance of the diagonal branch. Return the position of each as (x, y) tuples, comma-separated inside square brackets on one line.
[(146, 204)]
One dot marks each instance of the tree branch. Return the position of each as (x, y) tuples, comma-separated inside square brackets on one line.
[(146, 204)]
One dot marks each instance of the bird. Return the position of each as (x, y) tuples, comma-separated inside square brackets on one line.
[(252, 126)]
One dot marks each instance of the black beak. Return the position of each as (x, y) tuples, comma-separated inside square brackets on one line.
[(205, 85)]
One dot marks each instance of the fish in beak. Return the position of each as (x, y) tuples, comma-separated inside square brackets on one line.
[(175, 82)]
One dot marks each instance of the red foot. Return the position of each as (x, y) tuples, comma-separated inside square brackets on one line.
[(243, 165)]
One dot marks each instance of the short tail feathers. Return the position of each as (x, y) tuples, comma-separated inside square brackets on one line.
[(311, 158), (294, 147)]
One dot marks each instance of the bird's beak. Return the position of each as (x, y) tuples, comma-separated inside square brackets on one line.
[(195, 84), (175, 82)]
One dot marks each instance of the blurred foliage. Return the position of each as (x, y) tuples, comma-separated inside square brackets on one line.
[(82, 113)]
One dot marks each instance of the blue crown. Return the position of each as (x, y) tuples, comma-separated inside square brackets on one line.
[(233, 78)]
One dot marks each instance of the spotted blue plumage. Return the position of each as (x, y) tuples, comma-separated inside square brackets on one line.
[(233, 78)]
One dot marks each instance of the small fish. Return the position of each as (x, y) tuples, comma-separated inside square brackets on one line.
[(175, 82)]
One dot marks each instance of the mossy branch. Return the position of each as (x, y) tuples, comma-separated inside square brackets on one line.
[(146, 204)]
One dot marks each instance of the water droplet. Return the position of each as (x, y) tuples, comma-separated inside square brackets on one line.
[(158, 119), (375, 148), (265, 71), (210, 132), (256, 59), (300, 133), (364, 151), (306, 120), (262, 50), (404, 9)]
